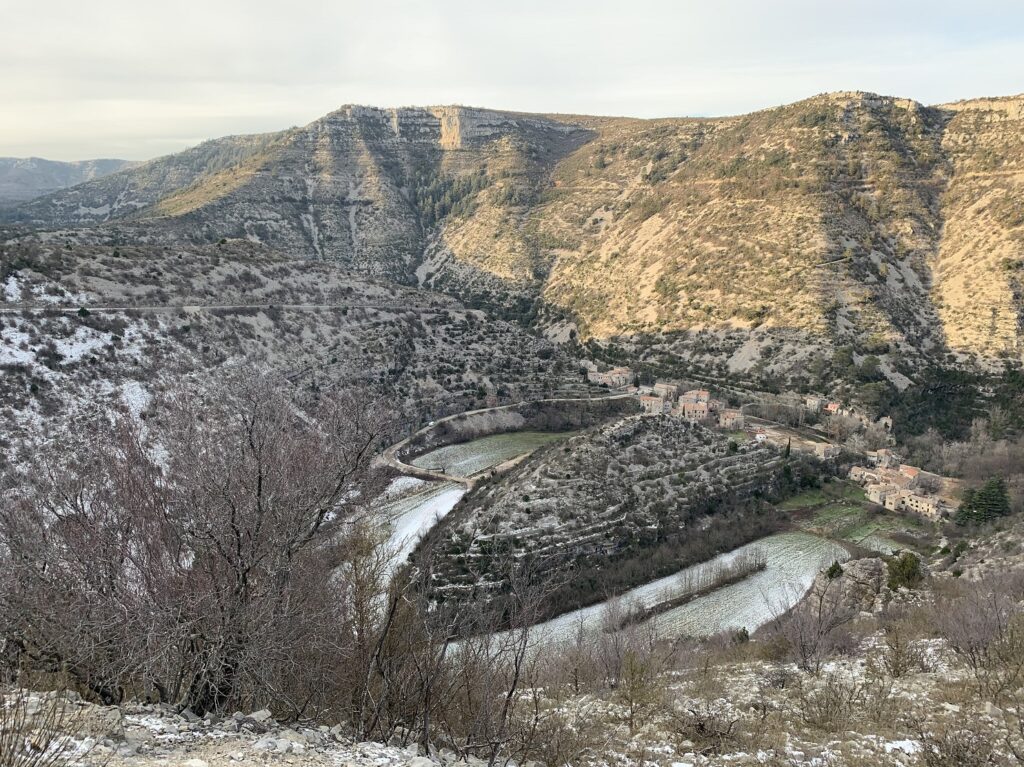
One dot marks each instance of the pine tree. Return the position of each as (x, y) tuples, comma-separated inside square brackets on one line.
[(985, 503)]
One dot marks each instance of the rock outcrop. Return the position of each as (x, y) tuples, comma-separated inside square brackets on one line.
[(846, 219)]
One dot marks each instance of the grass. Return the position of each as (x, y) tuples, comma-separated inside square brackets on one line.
[(838, 492), (840, 510)]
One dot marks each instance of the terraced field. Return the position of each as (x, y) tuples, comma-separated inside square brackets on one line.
[(840, 510)]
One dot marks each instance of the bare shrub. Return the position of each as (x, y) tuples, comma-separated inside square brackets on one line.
[(815, 627), (955, 746), (984, 626), (900, 656), (35, 728), (186, 561), (711, 727), (634, 662), (562, 736), (828, 705)]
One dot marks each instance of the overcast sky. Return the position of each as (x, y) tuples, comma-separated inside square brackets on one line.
[(138, 78)]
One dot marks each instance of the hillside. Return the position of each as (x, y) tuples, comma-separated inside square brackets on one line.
[(158, 315), (615, 506), (757, 241), (22, 178)]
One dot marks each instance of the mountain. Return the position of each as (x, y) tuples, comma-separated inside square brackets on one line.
[(752, 245), (24, 178)]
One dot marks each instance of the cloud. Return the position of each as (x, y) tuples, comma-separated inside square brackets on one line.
[(136, 79)]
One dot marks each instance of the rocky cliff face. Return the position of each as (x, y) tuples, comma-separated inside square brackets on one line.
[(160, 315), (361, 185), (846, 219)]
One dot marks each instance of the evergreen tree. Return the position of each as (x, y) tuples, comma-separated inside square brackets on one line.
[(985, 503), (905, 571)]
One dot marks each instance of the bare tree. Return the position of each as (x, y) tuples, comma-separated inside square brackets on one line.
[(811, 629), (177, 559)]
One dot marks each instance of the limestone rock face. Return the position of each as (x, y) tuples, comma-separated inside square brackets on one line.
[(864, 580), (754, 242)]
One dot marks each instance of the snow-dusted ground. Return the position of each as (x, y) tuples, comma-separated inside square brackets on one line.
[(793, 560), (83, 341), (469, 458), (135, 397), (12, 290), (402, 485), (413, 515), (11, 353), (413, 506)]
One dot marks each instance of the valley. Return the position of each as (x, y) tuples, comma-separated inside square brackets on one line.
[(449, 435)]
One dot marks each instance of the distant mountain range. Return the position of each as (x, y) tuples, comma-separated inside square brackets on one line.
[(24, 178), (759, 243)]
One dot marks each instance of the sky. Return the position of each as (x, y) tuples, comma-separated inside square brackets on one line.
[(138, 78)]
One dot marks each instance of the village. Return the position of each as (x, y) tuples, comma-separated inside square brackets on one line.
[(886, 481)]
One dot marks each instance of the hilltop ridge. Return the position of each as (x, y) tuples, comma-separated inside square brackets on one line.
[(747, 243)]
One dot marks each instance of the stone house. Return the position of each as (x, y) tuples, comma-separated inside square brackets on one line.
[(894, 501), (614, 378), (652, 404), (826, 450), (862, 475), (695, 411), (883, 457), (695, 396), (926, 505), (878, 492), (730, 418), (666, 391)]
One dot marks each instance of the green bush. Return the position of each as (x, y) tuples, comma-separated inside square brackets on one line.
[(905, 570)]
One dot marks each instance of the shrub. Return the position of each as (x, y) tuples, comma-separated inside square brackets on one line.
[(905, 571)]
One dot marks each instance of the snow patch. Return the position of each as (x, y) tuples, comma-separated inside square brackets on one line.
[(84, 340), (135, 397), (12, 290), (402, 485)]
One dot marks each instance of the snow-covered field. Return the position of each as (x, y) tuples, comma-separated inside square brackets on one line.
[(412, 515), (793, 560), (469, 458)]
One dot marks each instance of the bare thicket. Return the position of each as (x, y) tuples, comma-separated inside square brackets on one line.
[(983, 624), (184, 560), (815, 628)]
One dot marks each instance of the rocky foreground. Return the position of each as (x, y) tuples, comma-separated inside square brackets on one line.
[(729, 718), (891, 693), (142, 735)]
